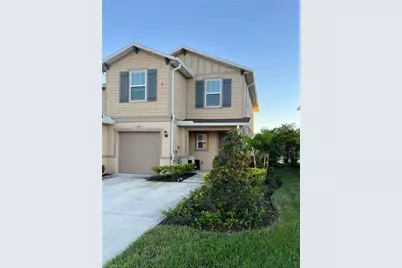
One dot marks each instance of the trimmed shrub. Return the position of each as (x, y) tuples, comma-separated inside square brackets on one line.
[(178, 169), (232, 197), (255, 175)]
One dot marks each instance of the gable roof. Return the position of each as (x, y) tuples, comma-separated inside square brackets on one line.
[(187, 72), (184, 70), (248, 72)]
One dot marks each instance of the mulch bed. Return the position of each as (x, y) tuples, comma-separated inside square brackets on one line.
[(171, 177)]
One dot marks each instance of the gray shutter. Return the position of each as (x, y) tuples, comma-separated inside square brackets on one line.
[(151, 85), (199, 94), (227, 92), (124, 86)]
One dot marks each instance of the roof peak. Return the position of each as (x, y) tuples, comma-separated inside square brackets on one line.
[(213, 57)]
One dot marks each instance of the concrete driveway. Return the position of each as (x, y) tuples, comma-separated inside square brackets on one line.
[(132, 205)]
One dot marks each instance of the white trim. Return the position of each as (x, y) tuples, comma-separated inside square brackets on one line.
[(172, 117), (110, 59), (192, 124), (203, 141), (177, 50), (107, 120), (247, 69), (145, 85), (213, 93)]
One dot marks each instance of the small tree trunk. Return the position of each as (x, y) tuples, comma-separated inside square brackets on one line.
[(264, 161), (254, 156), (267, 161)]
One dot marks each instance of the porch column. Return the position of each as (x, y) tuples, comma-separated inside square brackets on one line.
[(187, 145)]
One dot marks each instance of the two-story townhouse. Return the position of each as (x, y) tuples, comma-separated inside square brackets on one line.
[(161, 108)]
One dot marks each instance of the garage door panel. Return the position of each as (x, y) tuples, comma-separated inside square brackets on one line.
[(139, 151)]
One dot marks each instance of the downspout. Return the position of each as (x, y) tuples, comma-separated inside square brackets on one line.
[(172, 118), (252, 110)]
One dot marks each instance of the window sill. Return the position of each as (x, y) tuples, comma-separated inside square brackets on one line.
[(212, 107), (138, 101)]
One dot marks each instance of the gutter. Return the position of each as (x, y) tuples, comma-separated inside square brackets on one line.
[(252, 84), (252, 115), (172, 117), (107, 120)]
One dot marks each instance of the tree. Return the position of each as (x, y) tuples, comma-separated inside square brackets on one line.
[(252, 146), (269, 143), (290, 137)]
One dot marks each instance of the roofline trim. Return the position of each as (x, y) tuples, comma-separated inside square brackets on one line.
[(165, 55), (179, 49), (192, 124)]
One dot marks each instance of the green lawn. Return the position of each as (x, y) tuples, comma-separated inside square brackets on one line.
[(177, 246)]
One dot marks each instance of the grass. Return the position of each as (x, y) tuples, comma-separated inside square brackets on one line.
[(178, 246)]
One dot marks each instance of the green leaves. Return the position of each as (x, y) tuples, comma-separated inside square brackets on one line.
[(270, 144), (232, 196), (178, 169)]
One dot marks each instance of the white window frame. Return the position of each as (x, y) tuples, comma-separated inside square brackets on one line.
[(202, 140), (145, 85), (214, 93)]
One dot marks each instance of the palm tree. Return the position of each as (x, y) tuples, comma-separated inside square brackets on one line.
[(252, 146), (268, 142)]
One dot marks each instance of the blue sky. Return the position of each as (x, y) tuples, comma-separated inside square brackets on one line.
[(260, 34)]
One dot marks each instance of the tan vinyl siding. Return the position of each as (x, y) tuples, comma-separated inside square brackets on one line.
[(206, 68), (235, 111), (249, 107), (180, 96), (201, 65), (141, 61)]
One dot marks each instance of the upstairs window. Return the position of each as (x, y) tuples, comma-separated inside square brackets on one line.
[(138, 85), (213, 93)]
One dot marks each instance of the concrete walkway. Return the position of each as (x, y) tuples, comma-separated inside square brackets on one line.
[(132, 205)]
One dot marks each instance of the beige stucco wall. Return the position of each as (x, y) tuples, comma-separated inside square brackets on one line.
[(206, 157), (104, 111), (189, 140), (108, 150), (113, 141), (180, 91), (179, 142), (141, 61)]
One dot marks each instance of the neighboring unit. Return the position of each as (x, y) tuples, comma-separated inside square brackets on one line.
[(161, 109)]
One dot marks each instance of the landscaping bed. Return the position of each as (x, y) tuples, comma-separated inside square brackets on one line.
[(174, 173), (171, 177), (239, 217), (276, 246), (188, 213), (233, 198)]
